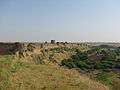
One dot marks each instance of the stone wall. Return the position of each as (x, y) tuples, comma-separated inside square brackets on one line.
[(9, 48)]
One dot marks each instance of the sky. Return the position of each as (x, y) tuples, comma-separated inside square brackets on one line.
[(61, 20)]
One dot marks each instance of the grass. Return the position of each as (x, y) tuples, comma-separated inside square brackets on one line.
[(48, 77), (116, 84), (105, 78), (16, 75), (7, 68), (5, 64)]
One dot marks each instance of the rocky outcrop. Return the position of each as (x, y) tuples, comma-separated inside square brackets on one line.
[(9, 48)]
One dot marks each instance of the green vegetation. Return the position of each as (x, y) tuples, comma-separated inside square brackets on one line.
[(5, 71), (16, 75), (104, 77), (101, 63), (62, 49), (15, 67), (7, 68), (79, 60), (105, 60), (40, 77)]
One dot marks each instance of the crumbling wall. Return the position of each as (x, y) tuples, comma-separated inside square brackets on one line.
[(9, 48)]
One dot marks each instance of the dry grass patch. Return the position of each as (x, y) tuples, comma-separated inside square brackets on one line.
[(46, 77)]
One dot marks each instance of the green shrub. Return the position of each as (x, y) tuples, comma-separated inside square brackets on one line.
[(62, 49), (69, 63), (80, 56), (79, 60), (56, 50), (106, 64), (82, 65), (105, 78)]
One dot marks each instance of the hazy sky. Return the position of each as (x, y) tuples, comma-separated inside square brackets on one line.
[(63, 20)]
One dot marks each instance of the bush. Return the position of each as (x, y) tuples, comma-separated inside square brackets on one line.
[(69, 63), (105, 78), (79, 56), (62, 49), (107, 64), (79, 60), (82, 65)]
